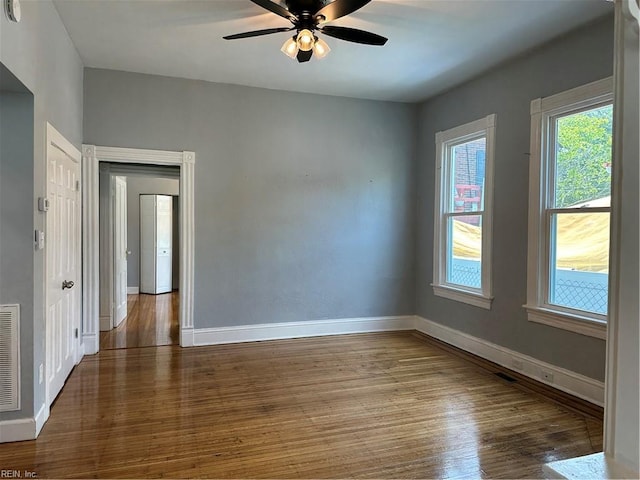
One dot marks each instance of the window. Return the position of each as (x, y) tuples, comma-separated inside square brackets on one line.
[(463, 207), (570, 208)]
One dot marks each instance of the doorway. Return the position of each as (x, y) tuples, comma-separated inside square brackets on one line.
[(133, 314), (134, 163)]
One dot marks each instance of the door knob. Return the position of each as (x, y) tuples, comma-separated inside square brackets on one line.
[(67, 284)]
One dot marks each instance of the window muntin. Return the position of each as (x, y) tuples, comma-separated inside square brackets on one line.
[(463, 217)]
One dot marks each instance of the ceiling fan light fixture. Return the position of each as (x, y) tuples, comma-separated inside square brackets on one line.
[(290, 48), (307, 17), (305, 40), (320, 48)]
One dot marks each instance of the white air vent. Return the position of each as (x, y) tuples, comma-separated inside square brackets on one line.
[(9, 358)]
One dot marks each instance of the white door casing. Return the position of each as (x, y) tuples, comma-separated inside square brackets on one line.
[(119, 210), (63, 262), (92, 155)]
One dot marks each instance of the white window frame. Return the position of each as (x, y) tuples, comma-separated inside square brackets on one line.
[(445, 141), (543, 112)]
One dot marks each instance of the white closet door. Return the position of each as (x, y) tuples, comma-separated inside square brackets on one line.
[(156, 225), (164, 235)]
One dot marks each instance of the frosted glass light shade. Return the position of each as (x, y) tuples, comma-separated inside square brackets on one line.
[(320, 48), (290, 48), (305, 40)]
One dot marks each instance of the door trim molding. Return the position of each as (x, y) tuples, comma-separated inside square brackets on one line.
[(92, 155)]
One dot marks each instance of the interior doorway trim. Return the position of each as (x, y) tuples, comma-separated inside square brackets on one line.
[(92, 155)]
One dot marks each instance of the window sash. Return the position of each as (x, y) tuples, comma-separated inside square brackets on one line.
[(550, 139), (448, 249), (549, 260), (449, 181)]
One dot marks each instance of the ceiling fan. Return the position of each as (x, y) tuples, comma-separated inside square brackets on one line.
[(309, 16)]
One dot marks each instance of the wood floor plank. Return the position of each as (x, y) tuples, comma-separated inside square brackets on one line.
[(152, 320), (387, 405)]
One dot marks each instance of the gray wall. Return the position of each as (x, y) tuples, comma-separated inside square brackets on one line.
[(39, 52), (16, 222), (135, 187), (304, 204), (581, 57)]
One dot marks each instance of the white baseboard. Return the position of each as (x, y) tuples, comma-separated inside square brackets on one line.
[(41, 418), (133, 290), (17, 430), (563, 379), (90, 343), (22, 428), (313, 328), (105, 323), (186, 337)]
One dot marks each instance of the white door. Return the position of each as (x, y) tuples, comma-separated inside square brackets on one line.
[(156, 234), (119, 250), (164, 239), (63, 264)]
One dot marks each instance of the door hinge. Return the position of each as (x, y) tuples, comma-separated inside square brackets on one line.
[(77, 185), (76, 333)]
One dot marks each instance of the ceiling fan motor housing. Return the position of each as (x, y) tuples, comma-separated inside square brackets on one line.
[(298, 7)]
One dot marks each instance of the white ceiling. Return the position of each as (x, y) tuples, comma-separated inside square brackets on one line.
[(433, 44)]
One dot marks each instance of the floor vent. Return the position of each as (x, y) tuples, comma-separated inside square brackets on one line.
[(9, 358), (506, 377)]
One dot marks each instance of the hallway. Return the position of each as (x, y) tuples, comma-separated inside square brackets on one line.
[(152, 320)]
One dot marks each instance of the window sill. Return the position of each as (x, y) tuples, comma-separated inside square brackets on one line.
[(471, 298), (566, 321)]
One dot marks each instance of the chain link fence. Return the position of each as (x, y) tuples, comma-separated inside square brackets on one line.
[(465, 272), (581, 294), (586, 291)]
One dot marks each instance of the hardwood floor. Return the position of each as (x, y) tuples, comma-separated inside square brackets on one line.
[(152, 320), (387, 405)]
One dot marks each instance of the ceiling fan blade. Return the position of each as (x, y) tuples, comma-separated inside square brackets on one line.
[(257, 33), (353, 35), (304, 56), (275, 8), (340, 8)]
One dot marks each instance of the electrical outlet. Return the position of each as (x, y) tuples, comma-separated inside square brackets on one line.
[(40, 373), (517, 364), (547, 376)]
